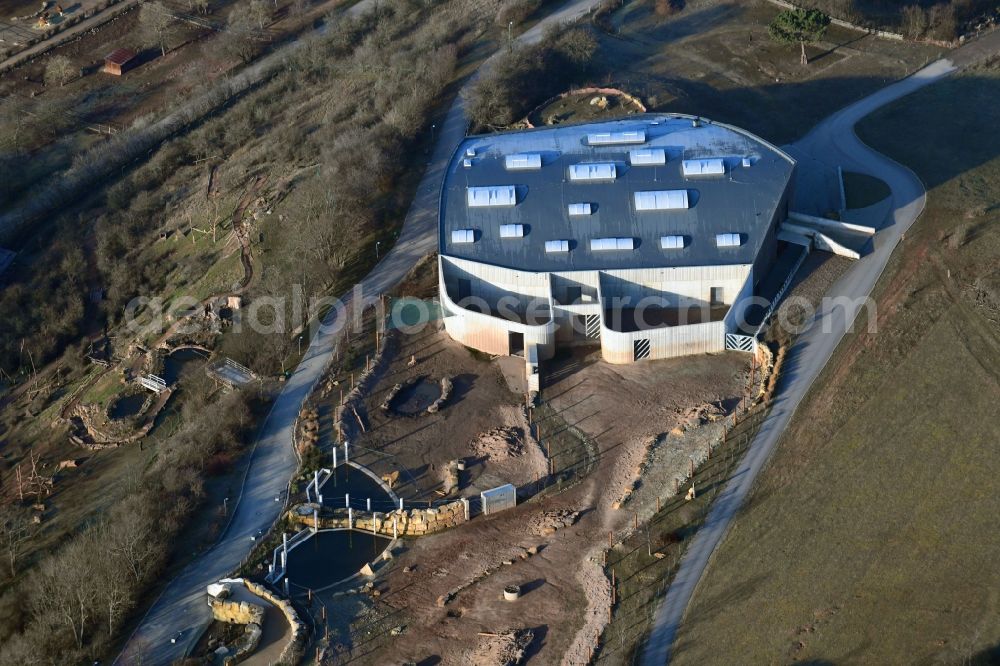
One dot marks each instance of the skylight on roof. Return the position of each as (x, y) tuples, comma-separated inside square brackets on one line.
[(600, 244), (647, 157), (522, 161), (463, 236), (662, 200), (580, 209), (616, 138), (714, 166), (728, 240), (557, 246), (511, 231), (592, 171), (671, 242), (494, 195)]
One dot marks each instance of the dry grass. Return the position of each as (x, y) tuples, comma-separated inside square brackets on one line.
[(869, 536), (716, 60)]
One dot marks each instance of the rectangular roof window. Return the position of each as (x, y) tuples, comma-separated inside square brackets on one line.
[(511, 231), (714, 166), (647, 157), (671, 242), (494, 195), (661, 200), (463, 236), (728, 240), (522, 161), (599, 244), (580, 209), (616, 138), (592, 171), (557, 246)]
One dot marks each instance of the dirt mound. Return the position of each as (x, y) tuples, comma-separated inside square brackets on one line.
[(505, 648), (548, 522), (500, 443)]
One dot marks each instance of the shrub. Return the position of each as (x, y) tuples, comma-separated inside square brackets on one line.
[(526, 76), (516, 12), (668, 7)]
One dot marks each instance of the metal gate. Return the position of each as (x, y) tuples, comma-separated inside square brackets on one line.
[(743, 343), (640, 349)]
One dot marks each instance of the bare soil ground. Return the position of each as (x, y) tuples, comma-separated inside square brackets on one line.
[(453, 588), (482, 422)]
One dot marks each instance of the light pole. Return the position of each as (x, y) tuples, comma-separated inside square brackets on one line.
[(225, 506), (510, 39), (377, 243), (300, 345)]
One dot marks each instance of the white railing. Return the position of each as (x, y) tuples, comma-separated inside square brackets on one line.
[(153, 383), (781, 292)]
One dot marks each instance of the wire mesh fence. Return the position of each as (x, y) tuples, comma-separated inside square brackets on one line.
[(641, 565)]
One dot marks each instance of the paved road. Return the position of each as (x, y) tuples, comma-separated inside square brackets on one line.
[(831, 143), (182, 605)]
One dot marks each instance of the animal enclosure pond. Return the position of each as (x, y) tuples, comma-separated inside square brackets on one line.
[(127, 405), (330, 556), (347, 480), (182, 362), (417, 397)]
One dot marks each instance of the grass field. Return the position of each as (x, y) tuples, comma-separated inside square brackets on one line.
[(871, 536)]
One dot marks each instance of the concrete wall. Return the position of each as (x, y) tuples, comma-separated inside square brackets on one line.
[(485, 332), (677, 287), (664, 342)]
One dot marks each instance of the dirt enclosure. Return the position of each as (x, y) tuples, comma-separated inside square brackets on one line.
[(480, 422), (447, 589)]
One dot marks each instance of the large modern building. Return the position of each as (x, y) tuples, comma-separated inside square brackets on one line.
[(648, 234)]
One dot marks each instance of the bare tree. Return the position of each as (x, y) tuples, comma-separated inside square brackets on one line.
[(64, 590), (115, 590), (157, 23), (240, 35), (59, 70), (129, 537), (259, 12), (15, 531)]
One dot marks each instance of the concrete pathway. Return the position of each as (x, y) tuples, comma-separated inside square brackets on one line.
[(181, 607), (830, 143)]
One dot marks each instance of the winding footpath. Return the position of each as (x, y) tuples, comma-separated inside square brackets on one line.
[(830, 144), (181, 611)]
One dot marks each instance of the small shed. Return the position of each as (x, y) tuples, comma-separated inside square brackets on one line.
[(118, 61)]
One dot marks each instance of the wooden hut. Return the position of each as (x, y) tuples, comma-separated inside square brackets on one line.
[(118, 61)]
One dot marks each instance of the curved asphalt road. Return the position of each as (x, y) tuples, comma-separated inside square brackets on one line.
[(182, 606), (832, 143)]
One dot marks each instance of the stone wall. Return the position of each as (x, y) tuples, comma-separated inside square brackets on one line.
[(236, 612), (409, 523), (293, 650)]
